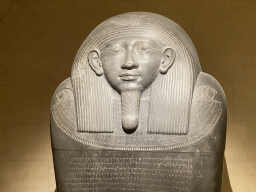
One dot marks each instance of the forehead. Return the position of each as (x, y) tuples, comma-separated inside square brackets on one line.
[(132, 40)]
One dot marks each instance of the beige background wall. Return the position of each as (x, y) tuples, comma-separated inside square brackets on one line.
[(39, 40)]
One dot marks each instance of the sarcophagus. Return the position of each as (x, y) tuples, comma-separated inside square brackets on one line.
[(137, 113)]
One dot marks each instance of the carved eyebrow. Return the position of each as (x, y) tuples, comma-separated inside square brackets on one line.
[(107, 45), (148, 46), (108, 50), (146, 42), (124, 43), (154, 47)]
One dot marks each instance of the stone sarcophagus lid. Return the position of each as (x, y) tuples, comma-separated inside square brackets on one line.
[(137, 113)]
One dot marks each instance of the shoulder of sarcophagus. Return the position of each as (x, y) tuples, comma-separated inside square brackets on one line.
[(63, 92), (209, 112), (208, 88)]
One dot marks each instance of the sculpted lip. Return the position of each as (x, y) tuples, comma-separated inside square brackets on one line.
[(129, 77)]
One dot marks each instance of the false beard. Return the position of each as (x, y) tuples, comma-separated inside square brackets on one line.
[(130, 110)]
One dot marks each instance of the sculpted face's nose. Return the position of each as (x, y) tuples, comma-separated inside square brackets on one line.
[(129, 62)]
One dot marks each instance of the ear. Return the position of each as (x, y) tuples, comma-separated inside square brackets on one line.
[(95, 62), (167, 60)]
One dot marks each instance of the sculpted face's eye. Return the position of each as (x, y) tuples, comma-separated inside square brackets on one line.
[(115, 50), (144, 48)]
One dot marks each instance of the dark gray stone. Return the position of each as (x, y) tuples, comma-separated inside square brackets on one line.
[(137, 113)]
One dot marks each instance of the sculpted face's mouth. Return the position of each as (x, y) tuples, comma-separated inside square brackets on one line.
[(129, 76)]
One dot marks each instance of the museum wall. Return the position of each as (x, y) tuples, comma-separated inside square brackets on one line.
[(39, 41)]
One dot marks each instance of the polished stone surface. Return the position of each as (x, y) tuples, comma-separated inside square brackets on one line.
[(138, 113)]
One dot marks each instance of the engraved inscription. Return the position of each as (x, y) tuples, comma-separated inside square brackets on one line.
[(143, 174)]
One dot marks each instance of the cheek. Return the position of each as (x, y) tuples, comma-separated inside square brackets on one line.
[(150, 63), (112, 61), (151, 72), (150, 69), (111, 67)]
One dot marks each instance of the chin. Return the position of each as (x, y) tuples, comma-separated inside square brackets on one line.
[(130, 86)]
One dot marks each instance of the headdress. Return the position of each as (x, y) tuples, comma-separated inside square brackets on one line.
[(170, 94)]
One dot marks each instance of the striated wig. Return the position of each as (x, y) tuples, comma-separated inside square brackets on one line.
[(170, 94)]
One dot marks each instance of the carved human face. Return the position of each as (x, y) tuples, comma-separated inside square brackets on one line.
[(131, 63)]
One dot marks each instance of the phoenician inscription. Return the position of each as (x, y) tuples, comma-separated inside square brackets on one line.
[(128, 174)]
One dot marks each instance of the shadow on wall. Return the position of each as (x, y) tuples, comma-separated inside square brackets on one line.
[(5, 7), (226, 187)]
